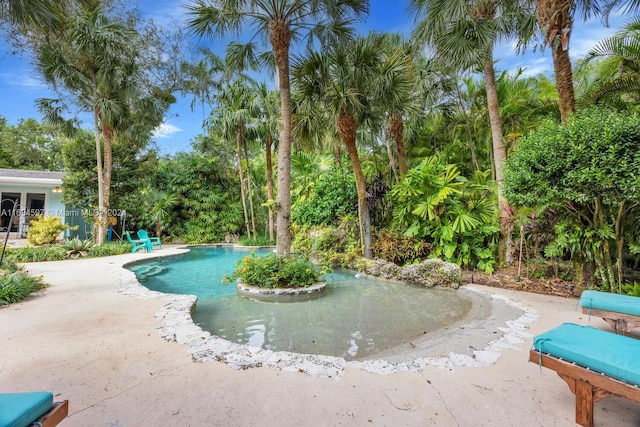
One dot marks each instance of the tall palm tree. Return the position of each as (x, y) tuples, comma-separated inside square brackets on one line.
[(230, 119), (556, 22), (616, 75), (344, 80), (268, 107), (466, 32), (399, 94), (94, 59), (280, 22)]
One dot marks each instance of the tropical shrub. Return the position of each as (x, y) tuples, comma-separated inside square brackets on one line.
[(36, 254), (44, 230), (395, 247), (457, 215), (587, 169), (258, 241), (274, 271), (334, 195), (17, 286), (76, 248), (110, 248)]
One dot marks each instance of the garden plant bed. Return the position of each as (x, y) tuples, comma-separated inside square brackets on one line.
[(507, 278)]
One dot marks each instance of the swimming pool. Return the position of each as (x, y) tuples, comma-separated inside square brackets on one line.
[(357, 319)]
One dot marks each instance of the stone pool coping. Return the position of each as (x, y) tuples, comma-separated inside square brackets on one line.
[(176, 325)]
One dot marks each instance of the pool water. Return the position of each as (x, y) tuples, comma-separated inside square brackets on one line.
[(358, 318)]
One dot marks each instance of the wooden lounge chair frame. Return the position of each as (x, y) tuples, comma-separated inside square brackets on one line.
[(620, 322), (588, 386), (56, 414)]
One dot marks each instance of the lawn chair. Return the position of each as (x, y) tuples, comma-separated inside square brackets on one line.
[(153, 241), (594, 363), (622, 312), (138, 243), (32, 408)]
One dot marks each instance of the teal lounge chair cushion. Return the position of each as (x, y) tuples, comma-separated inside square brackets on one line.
[(601, 351), (625, 304), (22, 409)]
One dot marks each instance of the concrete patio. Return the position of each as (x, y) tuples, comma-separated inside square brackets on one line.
[(101, 350)]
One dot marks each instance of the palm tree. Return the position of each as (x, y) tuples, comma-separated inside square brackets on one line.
[(616, 74), (279, 22), (399, 95), (230, 120), (268, 107), (556, 22), (466, 32), (94, 59), (47, 15), (344, 80)]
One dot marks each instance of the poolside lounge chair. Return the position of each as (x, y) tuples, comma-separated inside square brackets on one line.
[(33, 408), (594, 363), (153, 241), (138, 243), (622, 312)]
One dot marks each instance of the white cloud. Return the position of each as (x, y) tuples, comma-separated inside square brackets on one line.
[(21, 80), (165, 130)]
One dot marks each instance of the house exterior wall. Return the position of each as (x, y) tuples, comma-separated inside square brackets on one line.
[(53, 205)]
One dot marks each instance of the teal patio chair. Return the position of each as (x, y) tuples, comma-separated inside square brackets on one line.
[(152, 241), (138, 243)]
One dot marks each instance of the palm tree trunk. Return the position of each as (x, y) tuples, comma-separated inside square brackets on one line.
[(250, 188), (269, 167), (396, 126), (555, 17), (564, 82), (392, 157), (348, 127), (499, 158), (108, 136), (280, 37), (239, 137), (99, 235)]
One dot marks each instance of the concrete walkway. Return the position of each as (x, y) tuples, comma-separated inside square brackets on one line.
[(101, 350)]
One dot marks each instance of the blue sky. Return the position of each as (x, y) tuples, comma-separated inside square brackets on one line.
[(20, 85)]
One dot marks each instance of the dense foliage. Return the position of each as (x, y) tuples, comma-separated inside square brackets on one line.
[(588, 170), (456, 214), (16, 286), (273, 271), (44, 230), (334, 195)]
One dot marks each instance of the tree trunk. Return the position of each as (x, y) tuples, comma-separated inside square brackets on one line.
[(499, 158), (280, 37), (249, 186), (392, 157), (269, 166), (98, 231), (348, 127), (620, 244), (239, 137), (556, 18), (564, 82), (107, 134), (396, 127)]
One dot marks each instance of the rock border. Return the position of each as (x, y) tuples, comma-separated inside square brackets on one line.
[(176, 325), (317, 290)]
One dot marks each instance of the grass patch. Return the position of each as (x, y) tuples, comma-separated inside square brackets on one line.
[(16, 286)]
